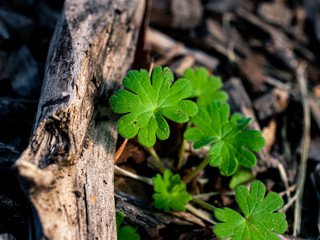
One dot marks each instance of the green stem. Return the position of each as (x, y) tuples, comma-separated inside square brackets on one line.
[(183, 148), (201, 166), (156, 157), (204, 204)]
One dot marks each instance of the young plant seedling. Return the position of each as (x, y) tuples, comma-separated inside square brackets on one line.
[(125, 232), (170, 193), (259, 221), (146, 104), (205, 88), (232, 144)]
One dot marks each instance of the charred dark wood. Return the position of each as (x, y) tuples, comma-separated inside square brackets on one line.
[(24, 73), (8, 155), (15, 209), (67, 169), (18, 24), (16, 133), (46, 16)]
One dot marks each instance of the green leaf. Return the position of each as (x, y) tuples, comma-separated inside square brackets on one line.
[(241, 176), (126, 232), (146, 103), (119, 218), (259, 221), (170, 192), (205, 88), (232, 145)]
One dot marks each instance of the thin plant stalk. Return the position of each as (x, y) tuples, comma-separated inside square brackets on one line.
[(305, 144), (191, 175), (120, 150), (183, 148), (150, 68), (204, 204), (210, 194), (126, 173), (156, 157), (199, 214)]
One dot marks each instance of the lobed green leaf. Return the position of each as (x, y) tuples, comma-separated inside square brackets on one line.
[(170, 192), (146, 102), (205, 88), (260, 221), (232, 145), (125, 232)]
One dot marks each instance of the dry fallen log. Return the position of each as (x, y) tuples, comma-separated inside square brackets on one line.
[(14, 208), (67, 169), (8, 155)]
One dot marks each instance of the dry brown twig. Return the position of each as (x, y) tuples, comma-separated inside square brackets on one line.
[(305, 142)]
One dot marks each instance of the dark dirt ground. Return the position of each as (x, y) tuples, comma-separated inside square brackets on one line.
[(264, 51)]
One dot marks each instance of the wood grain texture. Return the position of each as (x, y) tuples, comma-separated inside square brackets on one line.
[(67, 169)]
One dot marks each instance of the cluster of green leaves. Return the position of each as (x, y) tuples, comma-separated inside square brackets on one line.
[(232, 144), (125, 232), (259, 221), (146, 104), (170, 193)]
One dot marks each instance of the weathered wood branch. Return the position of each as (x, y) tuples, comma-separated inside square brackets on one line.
[(67, 169), (139, 212)]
